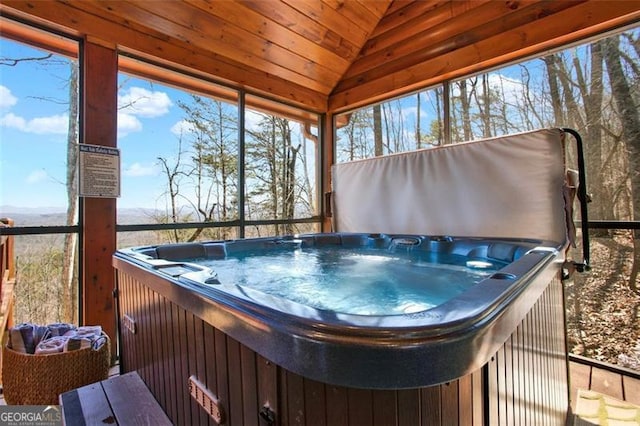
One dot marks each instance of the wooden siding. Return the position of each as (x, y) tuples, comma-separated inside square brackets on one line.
[(329, 55), (525, 382)]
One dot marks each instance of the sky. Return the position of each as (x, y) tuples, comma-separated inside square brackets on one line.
[(33, 133)]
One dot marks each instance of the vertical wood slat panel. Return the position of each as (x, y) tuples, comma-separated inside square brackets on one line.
[(249, 385), (184, 365), (408, 407), (244, 381), (338, 414), (360, 404), (177, 365), (450, 403), (144, 337), (517, 395), (268, 385), (430, 401), (478, 398), (210, 377), (465, 395), (173, 411), (315, 402), (190, 357), (385, 408), (222, 370), (201, 367), (234, 378), (510, 396), (502, 387), (158, 337), (492, 386)]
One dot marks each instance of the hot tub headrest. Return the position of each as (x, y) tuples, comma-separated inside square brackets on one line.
[(507, 187), (181, 251)]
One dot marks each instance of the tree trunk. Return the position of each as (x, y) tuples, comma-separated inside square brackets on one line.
[(69, 275), (377, 130), (630, 135)]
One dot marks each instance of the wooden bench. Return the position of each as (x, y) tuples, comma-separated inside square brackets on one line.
[(119, 400)]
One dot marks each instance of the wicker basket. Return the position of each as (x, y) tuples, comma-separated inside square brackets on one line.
[(39, 379)]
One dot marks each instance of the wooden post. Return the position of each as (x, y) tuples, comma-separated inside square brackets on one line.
[(99, 127), (328, 136)]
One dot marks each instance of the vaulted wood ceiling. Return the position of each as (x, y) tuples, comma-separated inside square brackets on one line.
[(329, 55)]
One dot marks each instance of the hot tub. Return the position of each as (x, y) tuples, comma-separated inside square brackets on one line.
[(351, 311), (413, 327)]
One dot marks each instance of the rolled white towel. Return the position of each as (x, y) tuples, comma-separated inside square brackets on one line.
[(51, 345), (25, 337), (75, 343), (59, 328), (88, 331)]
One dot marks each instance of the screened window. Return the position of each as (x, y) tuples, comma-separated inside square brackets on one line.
[(404, 124)]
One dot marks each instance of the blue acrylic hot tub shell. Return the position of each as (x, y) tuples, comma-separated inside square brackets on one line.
[(362, 351)]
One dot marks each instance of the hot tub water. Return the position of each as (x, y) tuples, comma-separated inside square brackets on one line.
[(350, 281)]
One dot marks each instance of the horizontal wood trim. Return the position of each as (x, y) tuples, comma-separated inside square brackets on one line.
[(586, 20), (38, 38)]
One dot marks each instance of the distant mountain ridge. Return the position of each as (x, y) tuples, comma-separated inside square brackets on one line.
[(52, 216)]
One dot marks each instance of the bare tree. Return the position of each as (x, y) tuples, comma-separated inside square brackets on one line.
[(628, 111), (69, 276)]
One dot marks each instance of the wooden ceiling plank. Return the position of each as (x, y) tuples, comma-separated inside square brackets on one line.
[(356, 13), (409, 10), (329, 18), (306, 27), (157, 45), (396, 5), (458, 31), (255, 23), (200, 30), (377, 7), (448, 15), (570, 25)]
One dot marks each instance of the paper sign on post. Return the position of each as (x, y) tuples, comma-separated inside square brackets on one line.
[(99, 171)]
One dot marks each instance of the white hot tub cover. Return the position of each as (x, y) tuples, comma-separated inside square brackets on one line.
[(504, 187)]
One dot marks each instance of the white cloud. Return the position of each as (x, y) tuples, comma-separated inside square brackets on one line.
[(128, 123), (7, 99), (137, 170), (56, 124), (144, 103), (37, 176), (182, 127), (252, 119)]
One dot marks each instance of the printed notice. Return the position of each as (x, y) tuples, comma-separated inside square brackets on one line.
[(99, 171)]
